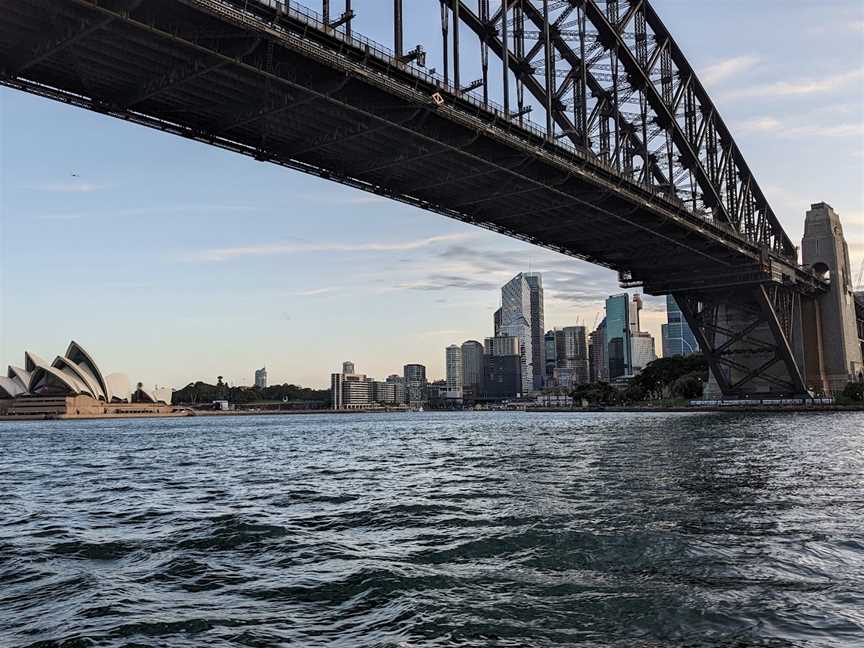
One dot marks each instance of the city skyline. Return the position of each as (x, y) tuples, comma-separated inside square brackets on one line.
[(188, 249)]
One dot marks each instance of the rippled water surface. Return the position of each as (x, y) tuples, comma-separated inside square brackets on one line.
[(469, 529)]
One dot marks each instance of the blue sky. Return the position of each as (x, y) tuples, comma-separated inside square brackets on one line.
[(173, 261)]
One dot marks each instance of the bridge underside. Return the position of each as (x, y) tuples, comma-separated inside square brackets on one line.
[(287, 94)]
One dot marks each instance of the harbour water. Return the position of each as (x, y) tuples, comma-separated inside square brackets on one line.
[(434, 529)]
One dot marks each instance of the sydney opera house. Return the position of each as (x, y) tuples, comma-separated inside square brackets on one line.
[(74, 385)]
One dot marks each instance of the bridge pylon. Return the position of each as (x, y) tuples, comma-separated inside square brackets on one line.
[(833, 350)]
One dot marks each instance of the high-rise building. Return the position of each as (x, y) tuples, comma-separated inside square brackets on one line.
[(618, 335), (472, 368), (567, 361), (635, 312), (453, 364), (415, 384), (628, 348), (522, 317), (575, 354), (536, 319), (348, 367), (351, 390), (642, 351), (502, 367), (261, 378), (599, 367), (678, 339), (501, 345), (551, 355), (496, 322)]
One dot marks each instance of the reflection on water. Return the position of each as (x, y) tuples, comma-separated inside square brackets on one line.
[(486, 529)]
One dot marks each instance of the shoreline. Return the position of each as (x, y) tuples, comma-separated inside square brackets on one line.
[(546, 410)]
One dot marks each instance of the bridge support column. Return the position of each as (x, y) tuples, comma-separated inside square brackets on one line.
[(752, 338), (833, 349)]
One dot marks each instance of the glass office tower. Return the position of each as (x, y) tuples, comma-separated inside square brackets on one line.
[(678, 339)]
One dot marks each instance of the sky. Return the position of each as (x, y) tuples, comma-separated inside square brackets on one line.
[(173, 261)]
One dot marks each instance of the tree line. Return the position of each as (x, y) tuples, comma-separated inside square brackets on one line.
[(201, 393), (679, 377)]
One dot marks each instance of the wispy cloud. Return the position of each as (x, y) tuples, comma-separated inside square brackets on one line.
[(447, 282), (314, 291), (800, 87), (722, 70), (271, 249), (775, 126), (69, 187)]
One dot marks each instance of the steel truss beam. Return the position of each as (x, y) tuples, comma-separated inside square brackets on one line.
[(31, 52), (697, 153), (647, 67), (198, 67), (746, 336)]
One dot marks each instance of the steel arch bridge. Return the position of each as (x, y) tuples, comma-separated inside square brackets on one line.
[(629, 164)]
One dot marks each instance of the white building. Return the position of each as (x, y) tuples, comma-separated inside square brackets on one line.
[(261, 378), (72, 374), (641, 350), (351, 390)]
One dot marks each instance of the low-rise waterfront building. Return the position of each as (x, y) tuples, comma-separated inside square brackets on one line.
[(351, 390)]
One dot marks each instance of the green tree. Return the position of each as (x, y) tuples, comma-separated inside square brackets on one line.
[(689, 386), (657, 380), (854, 392)]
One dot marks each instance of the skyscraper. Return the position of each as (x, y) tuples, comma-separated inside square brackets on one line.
[(502, 367), (415, 384), (599, 367), (453, 362), (536, 319), (678, 339), (618, 335), (628, 348), (551, 355), (348, 367), (472, 368), (567, 362), (576, 354), (261, 378), (522, 317)]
